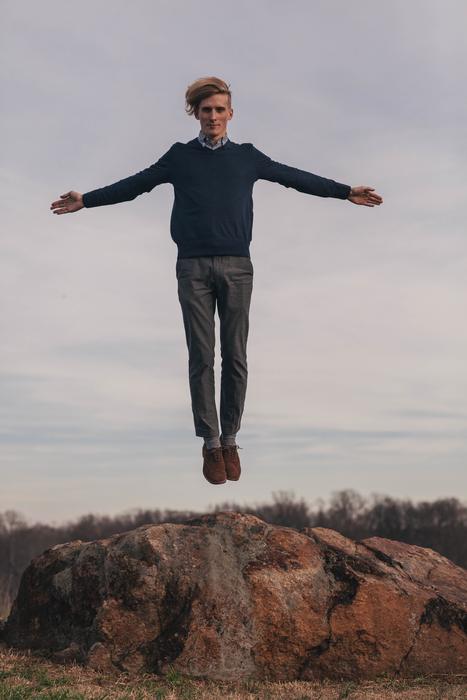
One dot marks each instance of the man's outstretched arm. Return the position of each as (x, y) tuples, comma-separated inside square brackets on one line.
[(309, 183), (121, 191)]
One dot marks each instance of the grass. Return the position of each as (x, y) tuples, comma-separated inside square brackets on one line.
[(24, 676)]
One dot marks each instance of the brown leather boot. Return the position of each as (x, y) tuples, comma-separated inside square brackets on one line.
[(232, 461), (213, 466)]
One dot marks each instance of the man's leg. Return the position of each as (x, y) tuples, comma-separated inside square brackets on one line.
[(234, 283), (197, 296)]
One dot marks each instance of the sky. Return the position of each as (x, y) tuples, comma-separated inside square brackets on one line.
[(357, 342)]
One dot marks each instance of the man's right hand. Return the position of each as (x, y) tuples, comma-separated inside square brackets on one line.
[(68, 202)]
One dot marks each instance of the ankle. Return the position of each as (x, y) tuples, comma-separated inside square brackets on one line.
[(212, 442), (228, 440)]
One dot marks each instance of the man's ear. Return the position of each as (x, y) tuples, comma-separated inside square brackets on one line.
[(196, 113)]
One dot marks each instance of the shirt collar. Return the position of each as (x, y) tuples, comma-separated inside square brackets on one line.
[(206, 141)]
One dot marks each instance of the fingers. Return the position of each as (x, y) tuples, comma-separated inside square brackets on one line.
[(369, 190), (365, 195), (60, 205), (370, 197), (366, 202)]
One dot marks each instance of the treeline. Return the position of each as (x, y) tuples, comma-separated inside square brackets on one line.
[(440, 525)]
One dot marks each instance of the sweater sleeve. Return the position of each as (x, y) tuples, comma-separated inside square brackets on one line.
[(130, 187), (301, 180)]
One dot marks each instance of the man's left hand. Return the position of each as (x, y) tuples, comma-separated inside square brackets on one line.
[(364, 195)]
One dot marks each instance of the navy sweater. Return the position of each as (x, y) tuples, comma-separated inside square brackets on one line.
[(213, 206)]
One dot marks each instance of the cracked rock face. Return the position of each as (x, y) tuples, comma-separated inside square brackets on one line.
[(228, 596)]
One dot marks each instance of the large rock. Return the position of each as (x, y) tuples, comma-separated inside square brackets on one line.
[(227, 596)]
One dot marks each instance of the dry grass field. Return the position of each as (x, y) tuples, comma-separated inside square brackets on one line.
[(24, 676)]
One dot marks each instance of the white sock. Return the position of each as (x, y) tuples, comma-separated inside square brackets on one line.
[(228, 439), (212, 442)]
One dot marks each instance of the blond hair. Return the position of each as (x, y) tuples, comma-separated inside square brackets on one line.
[(203, 88)]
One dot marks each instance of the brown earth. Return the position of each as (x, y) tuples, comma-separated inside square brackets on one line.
[(228, 596), (24, 675)]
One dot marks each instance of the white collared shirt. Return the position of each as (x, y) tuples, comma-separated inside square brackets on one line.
[(206, 141)]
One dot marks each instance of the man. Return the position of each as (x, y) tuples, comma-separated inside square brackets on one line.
[(211, 224)]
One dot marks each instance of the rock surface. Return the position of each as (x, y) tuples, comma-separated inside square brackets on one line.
[(228, 596)]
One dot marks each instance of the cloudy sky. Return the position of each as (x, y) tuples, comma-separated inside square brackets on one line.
[(358, 334)]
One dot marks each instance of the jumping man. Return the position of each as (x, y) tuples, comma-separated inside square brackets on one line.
[(211, 224)]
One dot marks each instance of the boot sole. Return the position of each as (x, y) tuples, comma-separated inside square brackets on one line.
[(214, 482)]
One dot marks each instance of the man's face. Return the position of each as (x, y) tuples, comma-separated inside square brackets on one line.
[(213, 114)]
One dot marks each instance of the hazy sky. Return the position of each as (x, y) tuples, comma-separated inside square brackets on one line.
[(358, 334)]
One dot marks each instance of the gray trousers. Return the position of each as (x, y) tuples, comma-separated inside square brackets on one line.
[(203, 281)]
